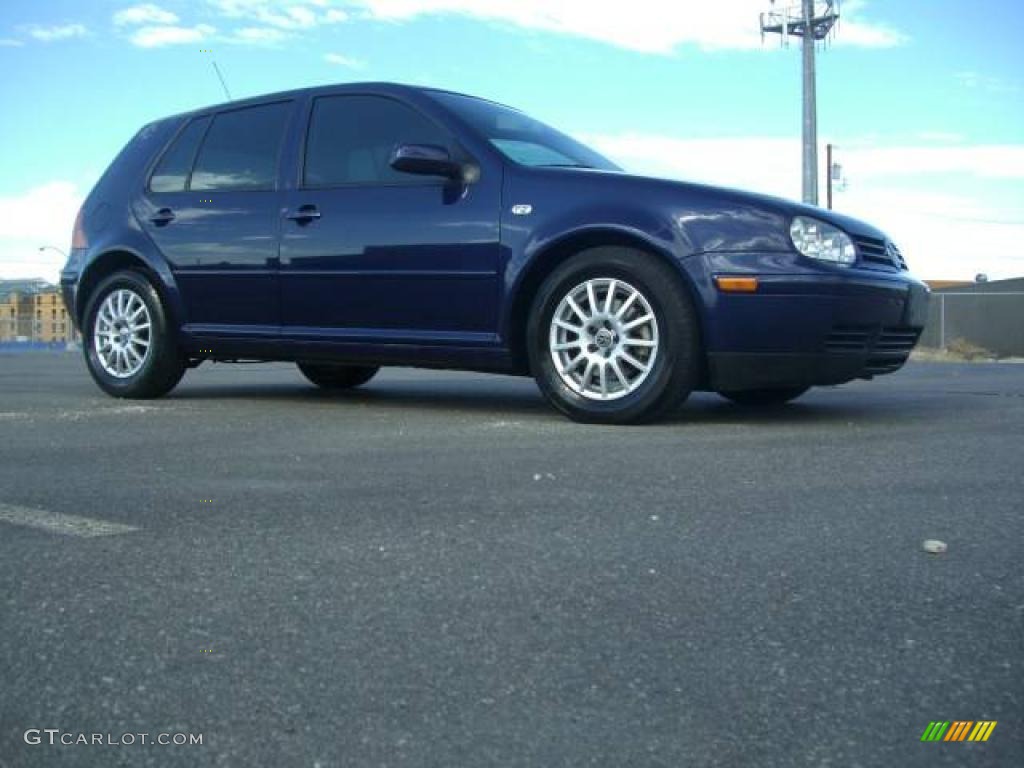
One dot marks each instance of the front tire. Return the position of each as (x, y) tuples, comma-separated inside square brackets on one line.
[(764, 397), (331, 376), (613, 337), (128, 345)]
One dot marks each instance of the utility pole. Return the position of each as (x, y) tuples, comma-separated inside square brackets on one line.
[(811, 21), (810, 132), (828, 173)]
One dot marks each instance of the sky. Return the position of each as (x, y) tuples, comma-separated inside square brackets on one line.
[(924, 100)]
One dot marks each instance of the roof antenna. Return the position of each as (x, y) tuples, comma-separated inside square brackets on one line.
[(222, 83)]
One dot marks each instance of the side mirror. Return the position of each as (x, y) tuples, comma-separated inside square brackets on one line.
[(427, 160)]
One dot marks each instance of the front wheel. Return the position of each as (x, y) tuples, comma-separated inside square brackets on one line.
[(330, 376), (755, 397), (128, 344), (613, 337)]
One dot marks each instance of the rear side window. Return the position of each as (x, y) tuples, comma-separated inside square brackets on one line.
[(241, 149), (171, 174), (351, 139)]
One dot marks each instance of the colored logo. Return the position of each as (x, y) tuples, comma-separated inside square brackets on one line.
[(958, 730)]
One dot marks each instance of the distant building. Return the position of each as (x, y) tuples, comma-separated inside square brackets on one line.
[(31, 285), (938, 285), (33, 310), (50, 321)]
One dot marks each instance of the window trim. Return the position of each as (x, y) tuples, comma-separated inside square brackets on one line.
[(425, 181)]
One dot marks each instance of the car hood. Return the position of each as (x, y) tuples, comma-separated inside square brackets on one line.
[(707, 199)]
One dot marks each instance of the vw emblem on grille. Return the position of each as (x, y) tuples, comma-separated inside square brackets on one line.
[(892, 252)]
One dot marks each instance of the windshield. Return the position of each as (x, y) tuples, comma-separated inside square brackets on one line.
[(521, 138)]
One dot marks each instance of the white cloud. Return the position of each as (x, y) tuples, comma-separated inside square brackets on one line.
[(344, 61), (760, 164), (290, 16), (649, 26), (10, 42), (912, 192), (42, 215), (257, 35), (976, 80), (941, 137), (155, 37), (986, 161), (146, 13), (58, 32), (854, 31)]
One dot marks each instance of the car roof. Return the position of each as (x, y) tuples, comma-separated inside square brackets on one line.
[(381, 87)]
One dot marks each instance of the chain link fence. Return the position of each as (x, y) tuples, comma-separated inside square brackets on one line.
[(993, 320)]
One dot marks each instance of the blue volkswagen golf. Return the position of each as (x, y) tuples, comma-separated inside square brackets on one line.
[(350, 227)]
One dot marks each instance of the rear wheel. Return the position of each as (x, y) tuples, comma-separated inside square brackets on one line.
[(128, 345), (754, 397), (331, 376), (613, 337)]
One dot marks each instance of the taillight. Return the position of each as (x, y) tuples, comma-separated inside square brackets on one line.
[(78, 238)]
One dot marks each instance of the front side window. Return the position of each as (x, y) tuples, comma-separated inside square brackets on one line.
[(241, 149), (171, 174), (351, 139)]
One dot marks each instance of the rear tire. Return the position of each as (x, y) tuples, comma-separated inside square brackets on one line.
[(129, 347), (635, 351), (764, 397), (332, 376)]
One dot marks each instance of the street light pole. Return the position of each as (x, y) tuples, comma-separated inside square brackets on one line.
[(53, 248)]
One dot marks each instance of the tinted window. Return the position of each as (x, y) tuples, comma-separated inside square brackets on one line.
[(171, 173), (240, 150), (351, 139)]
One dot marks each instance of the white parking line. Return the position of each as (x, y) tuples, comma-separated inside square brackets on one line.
[(57, 522)]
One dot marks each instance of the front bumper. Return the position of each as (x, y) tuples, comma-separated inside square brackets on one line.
[(812, 326)]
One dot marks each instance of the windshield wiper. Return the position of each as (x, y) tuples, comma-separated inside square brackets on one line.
[(566, 165)]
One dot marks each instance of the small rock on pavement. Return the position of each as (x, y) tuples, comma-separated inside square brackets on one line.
[(934, 546)]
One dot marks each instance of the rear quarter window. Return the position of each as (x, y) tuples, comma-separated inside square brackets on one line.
[(171, 174)]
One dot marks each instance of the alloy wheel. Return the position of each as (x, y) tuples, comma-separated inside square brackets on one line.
[(604, 339), (122, 333)]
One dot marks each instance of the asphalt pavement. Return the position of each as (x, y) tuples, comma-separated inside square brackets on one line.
[(439, 570)]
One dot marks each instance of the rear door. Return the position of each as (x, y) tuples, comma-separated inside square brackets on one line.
[(386, 255), (213, 207)]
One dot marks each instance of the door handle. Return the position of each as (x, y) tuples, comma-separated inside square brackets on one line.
[(303, 214), (163, 216)]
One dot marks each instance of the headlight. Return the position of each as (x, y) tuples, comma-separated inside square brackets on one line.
[(818, 240)]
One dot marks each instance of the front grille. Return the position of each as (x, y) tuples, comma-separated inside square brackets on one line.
[(897, 257), (872, 340), (847, 340), (872, 250), (897, 340), (882, 252)]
